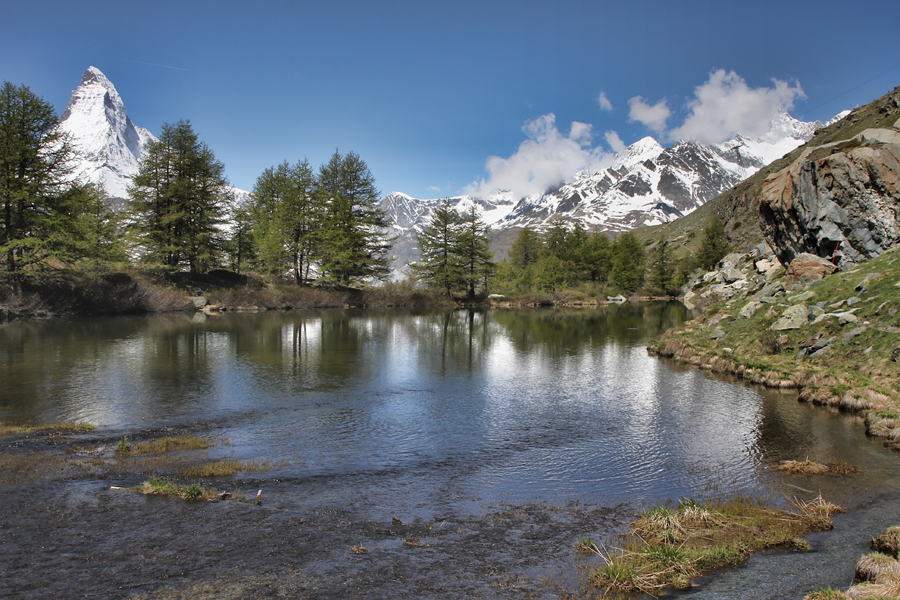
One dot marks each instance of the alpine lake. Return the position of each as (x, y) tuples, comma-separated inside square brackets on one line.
[(397, 454)]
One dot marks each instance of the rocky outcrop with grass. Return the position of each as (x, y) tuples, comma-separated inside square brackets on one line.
[(840, 200), (832, 335)]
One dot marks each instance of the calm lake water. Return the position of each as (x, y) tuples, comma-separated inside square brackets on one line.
[(431, 410)]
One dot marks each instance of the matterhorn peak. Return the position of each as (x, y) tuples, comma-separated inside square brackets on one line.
[(108, 145)]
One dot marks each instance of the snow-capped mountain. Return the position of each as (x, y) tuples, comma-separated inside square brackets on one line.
[(108, 145), (647, 185)]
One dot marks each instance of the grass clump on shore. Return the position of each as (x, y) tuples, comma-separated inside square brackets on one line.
[(226, 468), (156, 486), (811, 467), (670, 546), (162, 445), (9, 427)]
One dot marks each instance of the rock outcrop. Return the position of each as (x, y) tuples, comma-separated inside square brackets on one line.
[(840, 200)]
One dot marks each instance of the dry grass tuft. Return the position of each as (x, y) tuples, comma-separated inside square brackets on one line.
[(667, 547), (877, 568), (810, 467), (165, 445), (874, 590), (226, 468), (888, 542), (829, 594), (9, 427)]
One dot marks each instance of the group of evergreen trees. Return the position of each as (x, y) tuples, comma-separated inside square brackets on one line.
[(326, 224), (44, 217), (454, 252), (568, 256)]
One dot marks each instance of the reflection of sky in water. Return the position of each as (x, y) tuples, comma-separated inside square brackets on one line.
[(467, 404)]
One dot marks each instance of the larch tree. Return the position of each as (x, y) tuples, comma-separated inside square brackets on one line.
[(354, 241), (288, 216), (439, 264), (473, 249), (34, 174), (178, 199)]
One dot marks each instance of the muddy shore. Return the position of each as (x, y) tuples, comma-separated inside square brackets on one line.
[(64, 533)]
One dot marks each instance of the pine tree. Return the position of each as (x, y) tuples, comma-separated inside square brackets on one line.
[(597, 257), (662, 268), (627, 263), (714, 245), (474, 252), (178, 199), (34, 168), (354, 241), (526, 249), (439, 264), (288, 217), (241, 248)]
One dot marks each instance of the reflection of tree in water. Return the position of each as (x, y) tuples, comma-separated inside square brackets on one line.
[(568, 331), (451, 340)]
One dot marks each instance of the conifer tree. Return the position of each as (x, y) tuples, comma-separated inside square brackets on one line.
[(177, 201), (288, 217), (439, 264), (34, 170), (526, 249), (627, 262), (662, 268), (474, 252), (714, 245), (354, 241)]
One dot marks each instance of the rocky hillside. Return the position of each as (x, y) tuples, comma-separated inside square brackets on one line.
[(739, 207), (833, 335)]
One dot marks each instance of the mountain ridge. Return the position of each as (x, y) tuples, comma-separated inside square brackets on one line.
[(647, 185)]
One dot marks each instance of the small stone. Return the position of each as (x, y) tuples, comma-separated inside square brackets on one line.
[(820, 353), (848, 337), (868, 350), (853, 300), (847, 317), (718, 333)]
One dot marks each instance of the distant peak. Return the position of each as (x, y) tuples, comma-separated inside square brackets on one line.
[(94, 75)]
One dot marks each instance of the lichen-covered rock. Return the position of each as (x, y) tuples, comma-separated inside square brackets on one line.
[(794, 317), (841, 200)]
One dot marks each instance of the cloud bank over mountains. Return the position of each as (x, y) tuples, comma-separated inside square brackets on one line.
[(721, 107)]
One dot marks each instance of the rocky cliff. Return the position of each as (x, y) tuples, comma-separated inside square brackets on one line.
[(839, 200), (839, 196)]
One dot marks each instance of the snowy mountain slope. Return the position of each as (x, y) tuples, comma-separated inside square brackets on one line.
[(108, 144), (647, 185)]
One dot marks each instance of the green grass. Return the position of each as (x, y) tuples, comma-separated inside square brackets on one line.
[(157, 486), (11, 427), (668, 546)]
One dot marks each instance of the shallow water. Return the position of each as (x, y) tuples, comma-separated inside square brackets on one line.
[(439, 413)]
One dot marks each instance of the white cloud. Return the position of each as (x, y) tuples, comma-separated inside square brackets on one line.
[(615, 142), (653, 116), (604, 102), (546, 159), (726, 105), (433, 188)]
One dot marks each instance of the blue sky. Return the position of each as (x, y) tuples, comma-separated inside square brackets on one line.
[(438, 97)]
